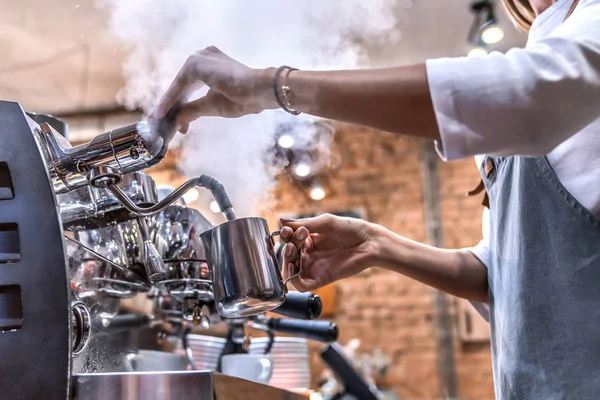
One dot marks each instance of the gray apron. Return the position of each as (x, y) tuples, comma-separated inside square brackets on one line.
[(544, 284)]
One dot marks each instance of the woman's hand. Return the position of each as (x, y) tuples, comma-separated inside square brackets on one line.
[(235, 89), (333, 248)]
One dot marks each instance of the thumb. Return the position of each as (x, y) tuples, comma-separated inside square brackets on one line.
[(207, 106)]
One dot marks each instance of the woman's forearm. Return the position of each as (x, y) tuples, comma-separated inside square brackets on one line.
[(391, 99), (457, 272)]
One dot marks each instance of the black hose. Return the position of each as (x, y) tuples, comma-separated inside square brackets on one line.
[(217, 190)]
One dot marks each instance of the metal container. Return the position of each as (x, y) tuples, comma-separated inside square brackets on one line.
[(111, 261), (175, 232), (125, 150), (187, 385), (92, 208), (245, 272)]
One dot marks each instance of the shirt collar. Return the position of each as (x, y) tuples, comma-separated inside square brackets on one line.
[(548, 20)]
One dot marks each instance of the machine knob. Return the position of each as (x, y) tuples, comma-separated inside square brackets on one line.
[(301, 306)]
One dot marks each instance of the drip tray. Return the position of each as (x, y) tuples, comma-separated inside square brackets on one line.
[(188, 385)]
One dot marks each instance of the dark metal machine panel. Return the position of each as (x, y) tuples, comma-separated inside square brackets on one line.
[(34, 299)]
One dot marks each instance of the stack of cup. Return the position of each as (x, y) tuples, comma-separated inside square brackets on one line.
[(291, 363), (206, 351)]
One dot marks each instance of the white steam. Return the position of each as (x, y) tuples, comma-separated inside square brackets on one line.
[(317, 34)]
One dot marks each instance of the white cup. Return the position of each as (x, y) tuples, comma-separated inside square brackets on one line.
[(147, 360), (252, 367)]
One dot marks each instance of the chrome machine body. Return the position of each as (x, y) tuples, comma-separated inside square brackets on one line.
[(82, 228)]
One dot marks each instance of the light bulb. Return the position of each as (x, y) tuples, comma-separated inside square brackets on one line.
[(478, 52), (491, 33), (286, 141), (191, 196), (302, 170), (214, 207), (317, 193)]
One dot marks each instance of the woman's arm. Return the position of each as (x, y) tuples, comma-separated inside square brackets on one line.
[(335, 248), (525, 102), (391, 99), (457, 272)]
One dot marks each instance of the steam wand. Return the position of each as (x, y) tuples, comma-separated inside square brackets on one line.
[(105, 177)]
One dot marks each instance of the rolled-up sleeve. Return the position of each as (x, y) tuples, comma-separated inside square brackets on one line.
[(482, 252), (525, 102)]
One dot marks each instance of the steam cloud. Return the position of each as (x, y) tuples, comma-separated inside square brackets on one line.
[(316, 34)]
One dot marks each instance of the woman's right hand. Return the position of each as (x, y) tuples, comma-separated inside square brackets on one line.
[(333, 248), (235, 89)]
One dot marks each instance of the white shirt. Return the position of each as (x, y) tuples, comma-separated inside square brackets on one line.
[(541, 100)]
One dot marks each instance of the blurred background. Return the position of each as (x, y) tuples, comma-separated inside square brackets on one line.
[(101, 65)]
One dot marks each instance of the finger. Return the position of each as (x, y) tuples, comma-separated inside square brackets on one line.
[(291, 270), (314, 225), (290, 253), (300, 235), (175, 91), (183, 128), (285, 270), (213, 104), (212, 49), (286, 233), (192, 88), (304, 284)]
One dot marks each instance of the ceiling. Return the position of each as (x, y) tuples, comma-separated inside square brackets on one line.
[(58, 56)]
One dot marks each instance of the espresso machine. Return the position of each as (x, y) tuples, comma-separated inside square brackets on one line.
[(82, 228)]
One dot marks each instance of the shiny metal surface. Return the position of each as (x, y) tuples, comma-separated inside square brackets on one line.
[(176, 233), (153, 262), (102, 176), (124, 150), (109, 261), (155, 208), (167, 308), (81, 324), (204, 181), (185, 385), (246, 275), (90, 207), (192, 385), (129, 233)]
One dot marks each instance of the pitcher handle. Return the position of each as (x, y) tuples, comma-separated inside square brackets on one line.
[(298, 261), (266, 370), (130, 364)]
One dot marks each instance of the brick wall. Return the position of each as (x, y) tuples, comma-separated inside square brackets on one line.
[(380, 174)]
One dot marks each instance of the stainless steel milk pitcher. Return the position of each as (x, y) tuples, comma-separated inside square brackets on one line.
[(245, 271)]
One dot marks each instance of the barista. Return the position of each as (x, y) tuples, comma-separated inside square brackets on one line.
[(533, 116)]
